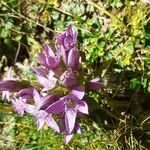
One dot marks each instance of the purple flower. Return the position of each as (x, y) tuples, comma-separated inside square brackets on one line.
[(66, 43), (49, 60), (94, 84), (68, 39), (41, 116), (45, 78), (71, 105)]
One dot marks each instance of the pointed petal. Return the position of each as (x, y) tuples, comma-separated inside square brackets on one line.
[(62, 52), (49, 100), (68, 138), (31, 109), (73, 59), (10, 85), (51, 123), (69, 30), (40, 123), (78, 92), (48, 50), (79, 130), (68, 79), (70, 118), (56, 107), (48, 84), (5, 95), (42, 59), (82, 107), (37, 97), (39, 71), (52, 62), (26, 93)]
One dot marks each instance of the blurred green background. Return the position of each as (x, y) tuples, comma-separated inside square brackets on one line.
[(114, 43)]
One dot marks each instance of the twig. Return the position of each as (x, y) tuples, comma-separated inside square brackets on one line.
[(17, 53)]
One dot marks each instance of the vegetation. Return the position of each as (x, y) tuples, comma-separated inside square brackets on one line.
[(114, 42)]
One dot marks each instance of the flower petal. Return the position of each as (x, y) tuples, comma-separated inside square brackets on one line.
[(51, 123), (10, 85), (52, 62), (82, 107), (48, 84), (48, 50), (68, 79), (68, 137), (31, 109), (37, 97), (56, 107), (40, 124), (39, 71), (73, 59), (70, 118), (26, 93), (78, 92)]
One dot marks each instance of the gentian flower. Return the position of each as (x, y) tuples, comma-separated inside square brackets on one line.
[(49, 59), (59, 90), (45, 78), (71, 106), (68, 39)]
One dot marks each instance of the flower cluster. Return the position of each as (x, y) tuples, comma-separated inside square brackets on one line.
[(58, 96)]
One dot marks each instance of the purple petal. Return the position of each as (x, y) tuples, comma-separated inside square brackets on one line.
[(60, 38), (19, 106), (70, 118), (40, 124), (5, 95), (62, 52), (49, 99), (37, 97), (68, 137), (57, 107), (78, 129), (40, 117), (78, 92), (26, 93), (48, 84), (31, 109), (52, 62), (51, 123), (73, 59), (82, 107), (94, 84), (69, 30), (10, 85), (68, 79), (48, 50), (39, 71), (42, 59)]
